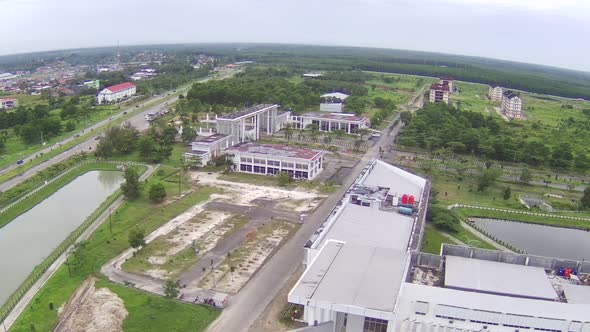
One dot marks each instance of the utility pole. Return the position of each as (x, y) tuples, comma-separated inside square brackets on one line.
[(111, 220), (68, 262), (213, 274)]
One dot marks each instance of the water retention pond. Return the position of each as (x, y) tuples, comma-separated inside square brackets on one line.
[(539, 240), (30, 238)]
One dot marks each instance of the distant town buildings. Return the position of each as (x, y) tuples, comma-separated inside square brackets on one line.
[(116, 93), (270, 159), (512, 105), (8, 103), (329, 122), (144, 74), (333, 102), (495, 93), (7, 76)]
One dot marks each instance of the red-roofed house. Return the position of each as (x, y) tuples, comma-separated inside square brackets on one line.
[(116, 92)]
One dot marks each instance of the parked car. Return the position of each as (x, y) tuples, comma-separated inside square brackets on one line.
[(19, 162), (124, 112), (97, 138)]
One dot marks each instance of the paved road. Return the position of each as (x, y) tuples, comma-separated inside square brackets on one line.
[(251, 301)]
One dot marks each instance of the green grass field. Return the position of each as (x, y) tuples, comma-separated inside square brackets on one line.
[(154, 313), (103, 246), (433, 240), (473, 97)]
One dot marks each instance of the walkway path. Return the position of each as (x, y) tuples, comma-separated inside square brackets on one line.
[(545, 215)]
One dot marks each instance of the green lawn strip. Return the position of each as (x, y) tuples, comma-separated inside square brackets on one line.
[(467, 237), (100, 248), (38, 179), (51, 188), (433, 240), (550, 221), (149, 312)]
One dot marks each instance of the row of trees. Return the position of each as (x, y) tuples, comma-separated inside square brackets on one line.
[(155, 145)]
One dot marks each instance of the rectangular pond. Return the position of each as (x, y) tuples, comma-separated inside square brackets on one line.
[(27, 240), (539, 240)]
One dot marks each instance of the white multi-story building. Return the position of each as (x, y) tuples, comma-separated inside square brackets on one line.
[(116, 93), (333, 102), (204, 148), (495, 93), (512, 105), (271, 159), (249, 123), (440, 92), (329, 122), (364, 272)]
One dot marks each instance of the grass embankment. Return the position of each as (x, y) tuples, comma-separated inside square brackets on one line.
[(51, 188), (154, 313), (38, 179), (434, 238), (103, 246)]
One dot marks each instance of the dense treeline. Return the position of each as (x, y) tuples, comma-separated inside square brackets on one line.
[(442, 127), (528, 77), (255, 86), (41, 122), (276, 85)]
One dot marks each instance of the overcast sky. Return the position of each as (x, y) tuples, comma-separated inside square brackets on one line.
[(552, 32)]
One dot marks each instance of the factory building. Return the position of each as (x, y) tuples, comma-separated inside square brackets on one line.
[(364, 272)]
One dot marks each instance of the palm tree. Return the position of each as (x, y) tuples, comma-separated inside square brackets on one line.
[(362, 132), (357, 145), (288, 132), (301, 135), (327, 139)]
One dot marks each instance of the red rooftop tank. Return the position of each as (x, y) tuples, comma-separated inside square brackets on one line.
[(404, 199), (411, 200)]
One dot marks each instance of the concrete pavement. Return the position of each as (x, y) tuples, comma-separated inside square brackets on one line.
[(252, 300)]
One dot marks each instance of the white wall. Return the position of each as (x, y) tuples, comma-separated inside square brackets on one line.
[(355, 323)]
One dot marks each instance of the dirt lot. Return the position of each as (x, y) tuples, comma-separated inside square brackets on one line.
[(92, 310), (248, 258), (221, 223)]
